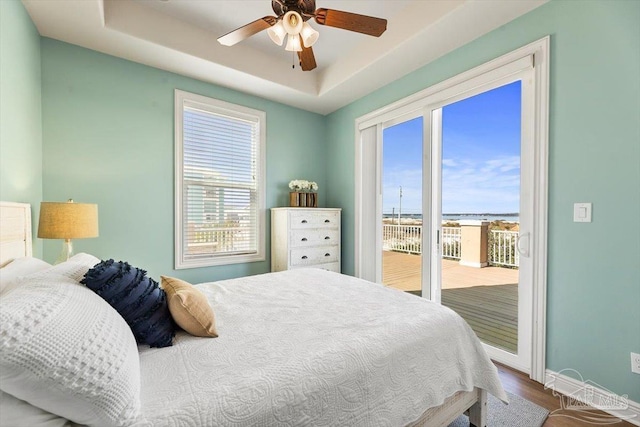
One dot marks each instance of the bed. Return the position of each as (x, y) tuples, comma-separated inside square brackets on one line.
[(310, 347)]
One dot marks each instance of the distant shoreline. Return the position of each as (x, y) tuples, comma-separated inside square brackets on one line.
[(452, 214), (452, 217), (481, 214)]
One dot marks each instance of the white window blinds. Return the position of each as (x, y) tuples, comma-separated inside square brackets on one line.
[(221, 183)]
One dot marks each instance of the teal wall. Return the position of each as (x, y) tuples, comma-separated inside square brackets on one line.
[(594, 156), (109, 139), (20, 110)]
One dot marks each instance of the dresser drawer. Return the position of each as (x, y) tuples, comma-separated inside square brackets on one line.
[(314, 237), (314, 219), (314, 255)]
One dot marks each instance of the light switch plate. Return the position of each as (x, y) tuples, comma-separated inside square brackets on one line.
[(582, 212)]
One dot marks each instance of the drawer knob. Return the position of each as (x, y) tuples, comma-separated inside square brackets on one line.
[(304, 221), (326, 221), (327, 238), (304, 257), (304, 239), (327, 254)]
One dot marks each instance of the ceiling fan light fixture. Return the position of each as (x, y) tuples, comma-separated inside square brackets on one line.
[(293, 43), (277, 33), (292, 22), (309, 35)]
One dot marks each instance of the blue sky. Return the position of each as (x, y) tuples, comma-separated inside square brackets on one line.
[(480, 156)]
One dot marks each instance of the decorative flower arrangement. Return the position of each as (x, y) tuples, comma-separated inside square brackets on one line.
[(303, 185), (303, 193)]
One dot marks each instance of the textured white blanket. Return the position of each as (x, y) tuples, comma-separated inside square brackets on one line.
[(313, 348)]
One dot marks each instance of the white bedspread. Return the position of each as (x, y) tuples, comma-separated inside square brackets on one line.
[(313, 348)]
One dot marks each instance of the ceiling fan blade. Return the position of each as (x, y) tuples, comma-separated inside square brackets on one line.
[(247, 31), (351, 21), (307, 58)]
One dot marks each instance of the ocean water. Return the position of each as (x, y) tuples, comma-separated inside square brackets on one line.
[(482, 217), (510, 217)]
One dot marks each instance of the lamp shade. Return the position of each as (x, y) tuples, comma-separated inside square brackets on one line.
[(293, 44), (277, 33), (309, 35), (292, 22), (68, 220)]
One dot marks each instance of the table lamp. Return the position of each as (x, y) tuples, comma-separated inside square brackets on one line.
[(67, 220)]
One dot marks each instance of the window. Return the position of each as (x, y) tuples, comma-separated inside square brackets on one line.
[(220, 182)]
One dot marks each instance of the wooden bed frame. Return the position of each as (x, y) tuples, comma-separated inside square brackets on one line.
[(475, 402), (15, 242)]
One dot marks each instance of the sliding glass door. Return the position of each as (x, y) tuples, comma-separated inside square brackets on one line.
[(478, 242), (481, 210)]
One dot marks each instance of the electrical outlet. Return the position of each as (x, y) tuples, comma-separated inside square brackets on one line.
[(635, 363)]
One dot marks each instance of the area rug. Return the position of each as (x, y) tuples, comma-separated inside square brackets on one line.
[(518, 413)]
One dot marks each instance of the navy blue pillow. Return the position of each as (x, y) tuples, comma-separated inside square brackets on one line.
[(138, 299)]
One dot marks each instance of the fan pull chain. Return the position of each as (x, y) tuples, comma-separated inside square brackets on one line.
[(293, 60)]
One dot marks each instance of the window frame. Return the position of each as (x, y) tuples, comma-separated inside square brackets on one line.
[(216, 106)]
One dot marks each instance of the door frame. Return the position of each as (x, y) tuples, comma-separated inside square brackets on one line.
[(368, 258)]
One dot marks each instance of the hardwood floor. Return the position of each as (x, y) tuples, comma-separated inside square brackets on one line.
[(520, 384)]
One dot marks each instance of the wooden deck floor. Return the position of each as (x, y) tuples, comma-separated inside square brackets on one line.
[(491, 311), (402, 271), (487, 298)]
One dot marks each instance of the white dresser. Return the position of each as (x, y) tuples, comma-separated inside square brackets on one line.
[(305, 237)]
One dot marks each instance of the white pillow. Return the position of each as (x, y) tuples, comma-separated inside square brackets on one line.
[(75, 267), (67, 351), (20, 267), (18, 413)]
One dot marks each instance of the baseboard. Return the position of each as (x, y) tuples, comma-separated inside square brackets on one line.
[(592, 394)]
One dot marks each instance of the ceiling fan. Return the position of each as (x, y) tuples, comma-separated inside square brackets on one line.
[(291, 23)]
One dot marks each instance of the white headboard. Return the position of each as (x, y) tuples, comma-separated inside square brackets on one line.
[(15, 231)]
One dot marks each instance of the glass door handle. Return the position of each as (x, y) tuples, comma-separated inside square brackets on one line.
[(523, 249)]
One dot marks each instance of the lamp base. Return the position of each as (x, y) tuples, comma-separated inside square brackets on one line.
[(67, 251)]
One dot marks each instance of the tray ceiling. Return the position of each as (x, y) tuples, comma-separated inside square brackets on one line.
[(180, 36)]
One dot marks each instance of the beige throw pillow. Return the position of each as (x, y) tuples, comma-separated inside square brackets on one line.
[(189, 307)]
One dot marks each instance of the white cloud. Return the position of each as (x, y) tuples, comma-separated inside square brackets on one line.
[(469, 185), (488, 186)]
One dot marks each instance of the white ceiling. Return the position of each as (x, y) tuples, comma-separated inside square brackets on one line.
[(180, 36)]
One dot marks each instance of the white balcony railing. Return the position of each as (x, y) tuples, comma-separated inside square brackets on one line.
[(451, 238), (402, 238), (502, 249)]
